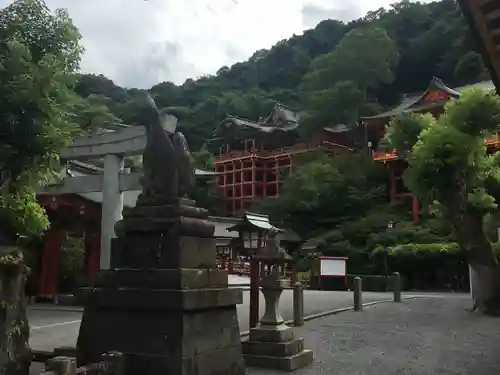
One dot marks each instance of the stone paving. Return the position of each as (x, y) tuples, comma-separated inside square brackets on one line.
[(434, 335), (428, 336), (54, 326)]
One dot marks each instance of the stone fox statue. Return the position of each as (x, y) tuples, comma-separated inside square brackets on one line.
[(167, 163)]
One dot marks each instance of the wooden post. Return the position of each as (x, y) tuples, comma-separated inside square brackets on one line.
[(415, 210), (358, 294), (294, 276), (254, 293), (397, 286), (51, 256), (254, 177), (298, 304), (93, 254)]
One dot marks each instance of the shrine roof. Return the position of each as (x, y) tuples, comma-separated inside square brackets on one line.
[(339, 128), (282, 118), (257, 221), (436, 95)]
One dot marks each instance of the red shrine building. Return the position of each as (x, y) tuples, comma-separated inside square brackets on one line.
[(432, 100), (251, 157)]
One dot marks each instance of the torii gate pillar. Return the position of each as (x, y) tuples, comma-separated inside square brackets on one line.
[(112, 205)]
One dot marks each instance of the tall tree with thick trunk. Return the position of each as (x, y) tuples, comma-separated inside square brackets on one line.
[(449, 167), (39, 53)]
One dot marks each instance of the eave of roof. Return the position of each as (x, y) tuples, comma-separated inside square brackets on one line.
[(291, 121), (411, 103), (86, 168), (481, 35), (258, 221)]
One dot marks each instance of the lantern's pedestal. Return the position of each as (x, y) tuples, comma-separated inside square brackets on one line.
[(174, 313), (272, 344)]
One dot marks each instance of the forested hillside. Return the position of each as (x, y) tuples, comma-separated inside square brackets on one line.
[(333, 73)]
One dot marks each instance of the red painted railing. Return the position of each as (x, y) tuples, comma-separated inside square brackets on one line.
[(493, 141), (234, 267), (296, 149)]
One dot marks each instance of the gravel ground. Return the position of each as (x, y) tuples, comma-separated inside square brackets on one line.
[(56, 326), (430, 336)]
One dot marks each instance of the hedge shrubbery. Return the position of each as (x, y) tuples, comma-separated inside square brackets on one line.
[(426, 266)]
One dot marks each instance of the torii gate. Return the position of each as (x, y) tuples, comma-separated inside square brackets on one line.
[(110, 186)]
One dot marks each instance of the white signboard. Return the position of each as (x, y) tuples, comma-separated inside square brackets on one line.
[(332, 267)]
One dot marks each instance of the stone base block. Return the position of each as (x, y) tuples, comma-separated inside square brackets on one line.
[(274, 349), (163, 251), (162, 337), (291, 363), (276, 334), (162, 279), (173, 300)]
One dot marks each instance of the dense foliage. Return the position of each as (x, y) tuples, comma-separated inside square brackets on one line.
[(449, 166), (340, 205), (39, 54), (426, 266), (333, 72)]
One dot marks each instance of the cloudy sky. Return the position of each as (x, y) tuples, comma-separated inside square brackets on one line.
[(138, 43)]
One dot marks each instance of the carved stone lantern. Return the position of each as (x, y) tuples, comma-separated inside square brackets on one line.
[(272, 343)]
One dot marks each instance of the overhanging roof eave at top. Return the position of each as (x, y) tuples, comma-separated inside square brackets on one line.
[(480, 33), (411, 105), (258, 221), (253, 126), (417, 109)]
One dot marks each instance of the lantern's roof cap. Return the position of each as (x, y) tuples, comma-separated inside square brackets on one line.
[(256, 222)]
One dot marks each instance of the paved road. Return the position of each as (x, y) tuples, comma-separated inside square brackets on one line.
[(53, 326), (417, 337)]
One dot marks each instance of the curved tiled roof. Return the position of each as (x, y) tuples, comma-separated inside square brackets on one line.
[(413, 102), (289, 120)]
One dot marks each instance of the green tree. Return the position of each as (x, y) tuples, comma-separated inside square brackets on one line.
[(366, 56), (404, 130), (340, 104), (448, 165), (39, 52), (92, 112), (335, 90), (470, 67), (324, 192)]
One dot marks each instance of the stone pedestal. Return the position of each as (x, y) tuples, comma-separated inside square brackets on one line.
[(166, 308), (272, 344)]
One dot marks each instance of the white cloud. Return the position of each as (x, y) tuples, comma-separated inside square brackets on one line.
[(138, 43)]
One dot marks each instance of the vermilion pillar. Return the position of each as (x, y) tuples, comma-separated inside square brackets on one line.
[(92, 255), (415, 210), (392, 179), (51, 259)]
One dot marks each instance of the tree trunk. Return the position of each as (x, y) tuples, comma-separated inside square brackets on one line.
[(485, 275), (15, 355)]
